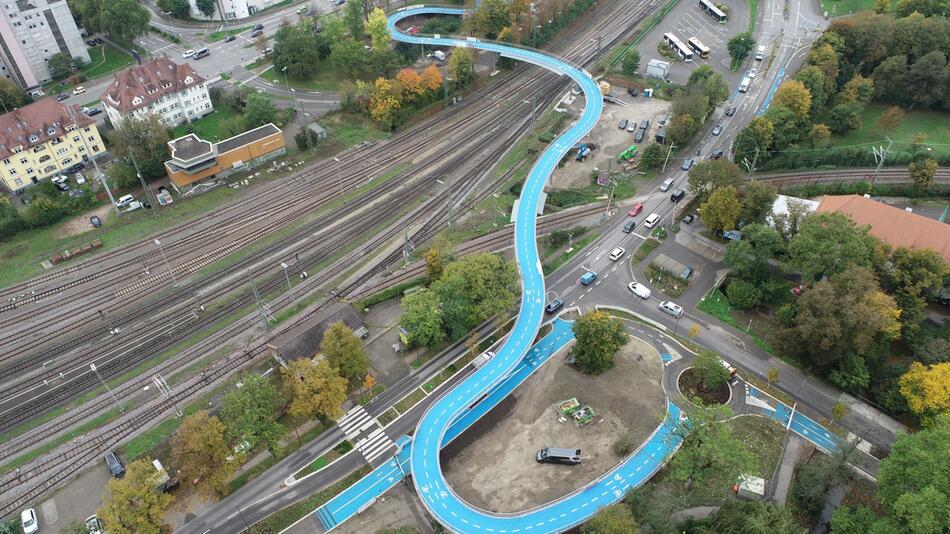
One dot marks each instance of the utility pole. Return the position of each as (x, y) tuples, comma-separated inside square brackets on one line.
[(257, 299), (880, 154), (406, 247), (111, 394), (339, 178), (138, 173), (751, 166), (293, 296), (166, 391), (665, 161), (168, 266)]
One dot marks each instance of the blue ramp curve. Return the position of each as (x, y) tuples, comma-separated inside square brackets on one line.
[(434, 491)]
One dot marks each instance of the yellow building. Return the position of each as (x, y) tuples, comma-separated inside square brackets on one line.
[(44, 139)]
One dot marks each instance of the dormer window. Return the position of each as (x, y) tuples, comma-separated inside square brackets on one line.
[(166, 85), (71, 127), (188, 80), (50, 131), (17, 149), (152, 91), (34, 138), (136, 101)]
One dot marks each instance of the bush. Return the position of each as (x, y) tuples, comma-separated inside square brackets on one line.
[(302, 141), (743, 295), (623, 446)]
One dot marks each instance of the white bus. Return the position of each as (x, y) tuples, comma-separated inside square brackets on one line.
[(710, 9), (698, 47), (681, 50)]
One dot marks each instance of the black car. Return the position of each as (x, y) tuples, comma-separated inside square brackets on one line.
[(554, 306), (717, 154), (62, 96), (75, 167), (99, 40), (731, 111), (95, 221), (229, 38), (258, 27), (114, 464), (632, 92), (93, 111), (92, 42), (689, 219), (25, 200)]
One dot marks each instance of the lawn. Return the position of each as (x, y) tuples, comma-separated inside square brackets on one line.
[(325, 79), (934, 124), (753, 13), (643, 251), (763, 437), (836, 8), (105, 59), (665, 281), (217, 36), (407, 403), (576, 247), (351, 129), (757, 325), (209, 128)]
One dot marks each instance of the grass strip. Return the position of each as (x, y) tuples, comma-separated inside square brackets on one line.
[(579, 245), (284, 518), (643, 251), (410, 400), (63, 438), (223, 34), (388, 416)]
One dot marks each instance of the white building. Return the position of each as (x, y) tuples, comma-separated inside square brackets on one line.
[(780, 207), (232, 9), (31, 31), (176, 93)]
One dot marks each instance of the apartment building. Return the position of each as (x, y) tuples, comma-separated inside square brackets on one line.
[(176, 93), (43, 139), (232, 9), (31, 31)]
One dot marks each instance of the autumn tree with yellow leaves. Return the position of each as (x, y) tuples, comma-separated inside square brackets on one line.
[(927, 390)]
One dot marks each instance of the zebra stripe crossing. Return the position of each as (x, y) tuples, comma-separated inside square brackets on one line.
[(356, 422), (371, 445)]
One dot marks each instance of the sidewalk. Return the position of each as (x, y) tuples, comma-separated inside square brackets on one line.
[(787, 468)]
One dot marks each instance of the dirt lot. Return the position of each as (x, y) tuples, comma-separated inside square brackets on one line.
[(493, 464), (80, 223), (609, 139), (398, 508)]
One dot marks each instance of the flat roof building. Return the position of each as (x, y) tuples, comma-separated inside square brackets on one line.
[(194, 159)]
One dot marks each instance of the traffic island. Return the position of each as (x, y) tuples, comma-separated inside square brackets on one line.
[(691, 386)]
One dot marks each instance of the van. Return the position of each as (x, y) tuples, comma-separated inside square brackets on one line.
[(124, 201), (651, 221), (482, 359), (114, 464), (588, 278), (744, 86), (554, 455), (639, 290), (204, 52), (677, 195), (671, 308), (760, 53), (629, 226), (666, 185)]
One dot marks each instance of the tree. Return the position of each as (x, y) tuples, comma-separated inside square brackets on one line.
[(922, 173), (248, 412), (11, 95), (259, 110), (932, 350), (818, 135), (60, 65), (890, 79), (145, 140), (345, 352), (613, 519), (652, 157), (743, 295), (756, 138), (201, 452), (432, 78), (838, 411), (131, 504), (721, 211), (422, 319), (757, 200), (813, 480), (599, 337), (739, 46), (177, 8), (296, 48), (710, 456), (882, 6), (751, 517), (772, 375), (787, 128), (353, 19), (123, 20), (461, 65), (890, 119), (206, 7), (693, 332), (474, 289), (858, 89), (794, 96), (377, 29), (911, 276), (316, 389), (492, 17), (631, 62), (682, 127), (927, 390), (852, 374), (814, 80), (709, 175), (433, 261), (384, 102), (710, 371), (825, 244), (845, 117)]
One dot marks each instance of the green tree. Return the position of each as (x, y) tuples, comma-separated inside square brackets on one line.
[(473, 290), (845, 117), (710, 456), (739, 46), (461, 66), (434, 264), (757, 200), (681, 129), (345, 352), (11, 95), (599, 337), (316, 389), (631, 62), (201, 452), (206, 7), (743, 295), (123, 20), (349, 57), (756, 138), (177, 8), (60, 65), (890, 79), (852, 374), (353, 19), (814, 80), (749, 257), (912, 275), (795, 96), (249, 412), (492, 17), (131, 504), (826, 243), (751, 517), (710, 371), (882, 6), (652, 157), (709, 175), (296, 49), (813, 480), (422, 319), (721, 211), (613, 519), (819, 134), (377, 30), (858, 89), (144, 140), (259, 110), (922, 173), (890, 119)]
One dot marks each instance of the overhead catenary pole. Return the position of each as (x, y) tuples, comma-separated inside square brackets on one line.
[(257, 300), (168, 266), (880, 154), (290, 286), (668, 153), (138, 173), (111, 394)]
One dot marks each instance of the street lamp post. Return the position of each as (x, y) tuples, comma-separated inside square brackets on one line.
[(339, 179), (168, 267), (111, 394), (290, 286)]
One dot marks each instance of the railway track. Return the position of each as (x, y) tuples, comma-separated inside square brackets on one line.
[(884, 176), (76, 456)]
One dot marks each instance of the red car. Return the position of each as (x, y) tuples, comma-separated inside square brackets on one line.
[(636, 210), (413, 30)]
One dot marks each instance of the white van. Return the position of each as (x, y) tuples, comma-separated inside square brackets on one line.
[(760, 54), (651, 220), (671, 308), (744, 86), (482, 359), (639, 290), (666, 185), (124, 200)]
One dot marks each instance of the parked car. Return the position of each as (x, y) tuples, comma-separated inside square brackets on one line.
[(632, 127), (689, 219), (124, 201), (632, 92), (93, 525), (637, 208), (92, 111), (79, 90), (687, 164), (62, 96), (95, 221), (115, 465), (554, 306), (188, 54), (623, 124), (229, 38), (62, 186), (638, 137), (28, 521), (258, 27), (99, 40), (731, 111), (717, 130), (91, 42), (25, 200), (717, 154), (75, 167), (257, 33), (75, 193), (340, 2)]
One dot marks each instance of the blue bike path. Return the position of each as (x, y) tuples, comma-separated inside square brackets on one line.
[(802, 425)]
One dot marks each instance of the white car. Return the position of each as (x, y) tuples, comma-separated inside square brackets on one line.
[(124, 201), (639, 290), (752, 72), (188, 54), (79, 90), (28, 521), (134, 205), (93, 525), (617, 253), (671, 308)]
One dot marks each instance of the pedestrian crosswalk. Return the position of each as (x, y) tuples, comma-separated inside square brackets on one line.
[(371, 443)]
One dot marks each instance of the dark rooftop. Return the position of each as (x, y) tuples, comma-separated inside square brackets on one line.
[(246, 138), (303, 341), (189, 147)]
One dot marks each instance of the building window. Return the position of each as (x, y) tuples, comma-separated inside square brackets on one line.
[(17, 149), (95, 148), (19, 181), (23, 161), (77, 139), (67, 161), (86, 129), (34, 138), (6, 161), (71, 127), (62, 151), (29, 170), (49, 168), (45, 158), (91, 138), (12, 171), (51, 131), (81, 149)]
